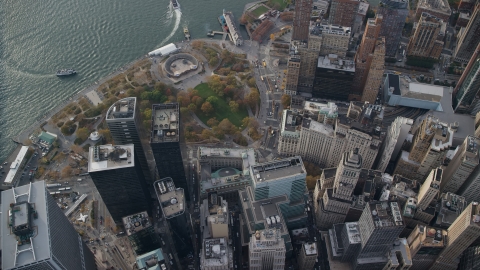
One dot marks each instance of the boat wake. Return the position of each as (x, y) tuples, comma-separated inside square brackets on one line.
[(178, 16)]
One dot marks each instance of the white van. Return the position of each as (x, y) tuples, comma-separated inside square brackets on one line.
[(79, 179)]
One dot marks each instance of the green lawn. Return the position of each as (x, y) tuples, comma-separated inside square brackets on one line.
[(259, 11), (281, 3), (222, 110)]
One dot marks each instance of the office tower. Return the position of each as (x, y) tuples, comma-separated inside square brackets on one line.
[(399, 257), (123, 120), (308, 256), (172, 203), (380, 225), (141, 233), (293, 70), (342, 12), (151, 260), (426, 40), (336, 201), (394, 14), (363, 57), (468, 38), (461, 167), (425, 244), (375, 73), (118, 179), (449, 208), (334, 39), (318, 135), (266, 250), (214, 218), (465, 98), (431, 142), (165, 143), (461, 234), (36, 234), (308, 62), (216, 254), (360, 16), (429, 189), (351, 241), (437, 8), (301, 19), (396, 135), (333, 77), (470, 259)]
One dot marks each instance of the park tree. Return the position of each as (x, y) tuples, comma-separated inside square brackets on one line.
[(147, 114), (251, 82), (107, 136), (212, 122), (218, 132), (213, 61), (233, 106), (207, 134), (192, 107), (213, 100), (227, 127), (82, 133), (197, 44), (199, 101), (207, 108), (286, 99), (253, 98)]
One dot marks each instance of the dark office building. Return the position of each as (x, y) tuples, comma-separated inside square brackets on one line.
[(119, 180), (125, 125), (165, 143), (141, 233), (333, 78)]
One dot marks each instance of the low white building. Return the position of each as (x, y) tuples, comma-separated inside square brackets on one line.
[(163, 51)]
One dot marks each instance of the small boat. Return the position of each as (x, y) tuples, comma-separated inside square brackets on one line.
[(66, 72), (186, 32), (210, 33), (175, 4)]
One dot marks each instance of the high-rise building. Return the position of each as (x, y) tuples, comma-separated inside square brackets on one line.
[(461, 166), (334, 39), (153, 260), (450, 207), (380, 226), (394, 14), (426, 40), (396, 135), (293, 70), (119, 180), (141, 233), (468, 38), (216, 255), (375, 73), (438, 8), (466, 5), (36, 234), (214, 218), (266, 250), (430, 189), (463, 232), (399, 256), (470, 259), (333, 78), (363, 57), (431, 142), (123, 120), (465, 98), (308, 63), (301, 19), (165, 143), (425, 244), (172, 203), (342, 12), (308, 256)]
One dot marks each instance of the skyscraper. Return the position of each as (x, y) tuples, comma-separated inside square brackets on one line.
[(36, 234), (375, 73), (469, 38), (396, 135), (342, 12), (266, 250), (425, 244), (394, 14), (293, 71), (301, 19), (165, 143), (333, 78), (308, 255), (119, 180), (429, 189), (465, 98), (461, 166), (461, 234), (123, 120), (426, 41), (141, 233)]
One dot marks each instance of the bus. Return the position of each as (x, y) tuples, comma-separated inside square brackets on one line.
[(61, 189), (261, 77)]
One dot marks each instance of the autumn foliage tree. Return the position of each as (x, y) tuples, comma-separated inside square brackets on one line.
[(207, 108), (286, 99), (262, 30)]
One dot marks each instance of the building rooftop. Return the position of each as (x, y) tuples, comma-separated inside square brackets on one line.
[(27, 239), (136, 222), (109, 157), (332, 61), (441, 6), (328, 109), (165, 123), (353, 232), (432, 237), (15, 166), (363, 8), (318, 127), (122, 109), (450, 207), (172, 200), (247, 155), (150, 260), (332, 29), (421, 91), (401, 246), (215, 252), (277, 169), (386, 214), (310, 249), (268, 238), (222, 177)]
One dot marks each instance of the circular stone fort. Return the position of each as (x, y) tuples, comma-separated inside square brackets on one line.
[(179, 64)]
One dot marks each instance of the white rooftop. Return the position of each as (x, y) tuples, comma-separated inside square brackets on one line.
[(353, 232), (310, 248), (14, 167), (322, 128), (109, 157)]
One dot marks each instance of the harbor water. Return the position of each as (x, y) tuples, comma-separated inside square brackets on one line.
[(94, 37)]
